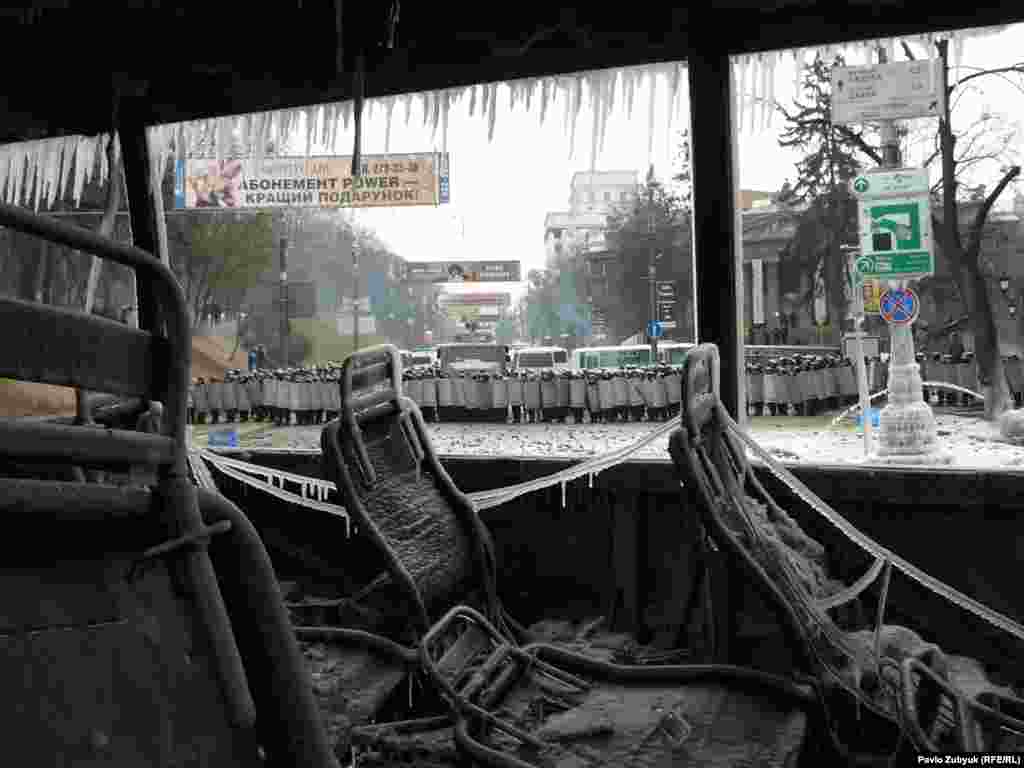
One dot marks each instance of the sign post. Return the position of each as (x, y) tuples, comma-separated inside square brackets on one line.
[(896, 246), (895, 236), (857, 308)]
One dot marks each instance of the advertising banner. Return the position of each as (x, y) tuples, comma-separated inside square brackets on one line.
[(463, 271), (315, 182)]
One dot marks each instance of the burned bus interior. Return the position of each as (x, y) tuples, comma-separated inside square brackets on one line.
[(159, 613)]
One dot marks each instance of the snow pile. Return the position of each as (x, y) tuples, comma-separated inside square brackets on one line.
[(975, 444)]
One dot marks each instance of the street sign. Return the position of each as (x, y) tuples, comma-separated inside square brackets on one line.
[(900, 306), (667, 315), (881, 183), (895, 224), (871, 292), (891, 91), (654, 329), (444, 193)]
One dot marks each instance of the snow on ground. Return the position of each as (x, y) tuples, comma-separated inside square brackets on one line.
[(973, 442)]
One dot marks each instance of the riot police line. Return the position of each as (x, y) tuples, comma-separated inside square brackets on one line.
[(782, 386)]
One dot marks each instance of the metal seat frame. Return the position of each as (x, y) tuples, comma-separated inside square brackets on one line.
[(69, 348)]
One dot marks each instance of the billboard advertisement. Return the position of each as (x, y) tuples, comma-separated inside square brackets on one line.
[(314, 182), (463, 271)]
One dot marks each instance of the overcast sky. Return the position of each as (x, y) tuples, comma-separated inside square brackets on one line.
[(502, 190)]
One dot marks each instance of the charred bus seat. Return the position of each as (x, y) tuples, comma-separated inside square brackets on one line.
[(439, 557), (807, 621)]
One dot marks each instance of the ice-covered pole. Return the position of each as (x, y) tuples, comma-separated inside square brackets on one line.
[(907, 429)]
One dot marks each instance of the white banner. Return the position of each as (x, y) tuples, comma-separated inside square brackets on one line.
[(757, 290)]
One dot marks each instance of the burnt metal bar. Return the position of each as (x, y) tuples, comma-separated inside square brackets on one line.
[(86, 502), (719, 310), (138, 174), (43, 440), (67, 348)]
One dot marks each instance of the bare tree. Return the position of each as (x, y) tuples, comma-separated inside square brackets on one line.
[(833, 150)]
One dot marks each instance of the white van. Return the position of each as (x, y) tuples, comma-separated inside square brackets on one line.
[(556, 358), (611, 357)]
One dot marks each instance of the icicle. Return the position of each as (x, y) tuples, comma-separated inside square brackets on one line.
[(493, 113), (221, 138), (595, 109), (346, 115), (752, 99), (445, 110), (472, 100), (577, 103), (389, 110), (677, 79), (435, 118), (7, 181), (765, 105), (590, 480), (310, 118), (330, 127), (545, 97), (744, 92), (425, 105), (601, 109), (609, 104), (85, 158), (650, 119), (627, 95), (51, 169), (563, 494), (24, 189), (798, 57), (5, 167)]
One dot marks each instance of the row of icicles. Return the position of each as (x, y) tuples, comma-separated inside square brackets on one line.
[(40, 172)]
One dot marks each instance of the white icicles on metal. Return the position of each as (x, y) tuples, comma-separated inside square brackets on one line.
[(40, 172)]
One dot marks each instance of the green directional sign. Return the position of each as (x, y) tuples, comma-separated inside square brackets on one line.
[(899, 266), (895, 225)]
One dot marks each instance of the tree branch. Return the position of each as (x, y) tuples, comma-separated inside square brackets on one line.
[(979, 218), (1018, 68), (864, 147)]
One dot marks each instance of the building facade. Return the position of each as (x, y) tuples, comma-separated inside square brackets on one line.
[(593, 198)]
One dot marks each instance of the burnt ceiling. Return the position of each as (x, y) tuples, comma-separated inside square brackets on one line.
[(191, 60)]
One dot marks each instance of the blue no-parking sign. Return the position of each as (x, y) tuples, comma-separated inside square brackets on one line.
[(899, 306)]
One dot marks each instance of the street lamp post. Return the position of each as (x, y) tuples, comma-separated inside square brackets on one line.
[(652, 269), (284, 301)]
